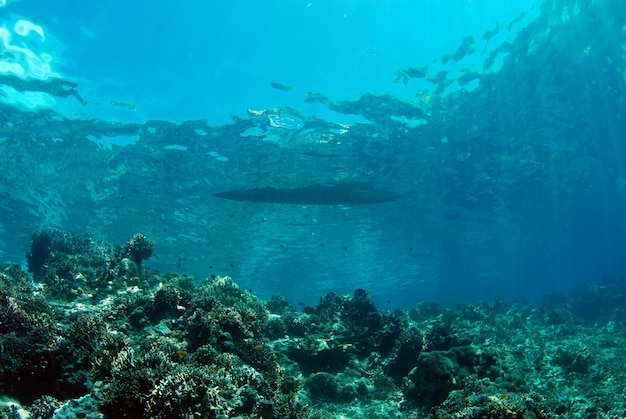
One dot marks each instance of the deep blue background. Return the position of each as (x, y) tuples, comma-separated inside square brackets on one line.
[(525, 203)]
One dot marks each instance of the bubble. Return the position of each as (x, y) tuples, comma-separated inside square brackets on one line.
[(37, 68), (27, 100), (5, 35), (285, 121), (19, 59), (24, 27), (12, 68)]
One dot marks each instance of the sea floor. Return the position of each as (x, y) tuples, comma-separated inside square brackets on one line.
[(90, 332)]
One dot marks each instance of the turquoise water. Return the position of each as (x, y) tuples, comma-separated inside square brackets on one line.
[(500, 124), (312, 209)]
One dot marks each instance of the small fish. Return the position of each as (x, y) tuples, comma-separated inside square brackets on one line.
[(279, 86), (181, 353), (316, 97), (125, 105), (252, 112)]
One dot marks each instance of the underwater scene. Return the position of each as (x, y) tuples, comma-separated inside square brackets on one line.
[(313, 209)]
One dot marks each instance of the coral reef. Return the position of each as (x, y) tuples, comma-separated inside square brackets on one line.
[(138, 249), (134, 342), (71, 266)]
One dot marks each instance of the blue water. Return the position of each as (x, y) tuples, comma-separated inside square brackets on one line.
[(213, 60), (513, 184)]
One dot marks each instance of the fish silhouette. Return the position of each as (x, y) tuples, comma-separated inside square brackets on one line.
[(344, 194)]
